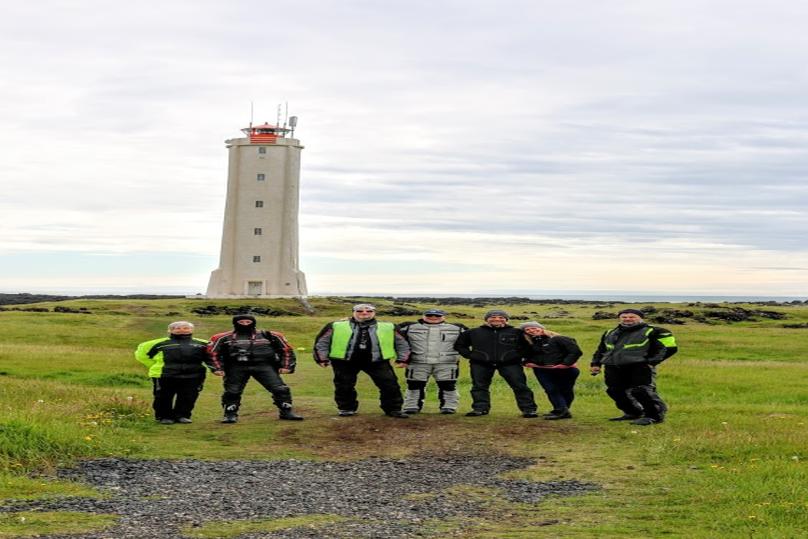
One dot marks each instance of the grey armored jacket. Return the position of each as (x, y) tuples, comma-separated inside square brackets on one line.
[(432, 343)]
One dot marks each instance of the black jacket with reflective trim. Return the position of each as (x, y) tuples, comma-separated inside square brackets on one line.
[(233, 349), (627, 345)]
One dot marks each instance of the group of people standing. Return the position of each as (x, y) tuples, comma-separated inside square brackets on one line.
[(430, 347), (177, 366)]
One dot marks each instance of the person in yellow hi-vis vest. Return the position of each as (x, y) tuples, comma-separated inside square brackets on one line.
[(363, 344)]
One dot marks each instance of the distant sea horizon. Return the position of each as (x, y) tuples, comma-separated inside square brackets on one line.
[(623, 296)]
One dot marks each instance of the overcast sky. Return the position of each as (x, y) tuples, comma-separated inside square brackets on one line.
[(451, 146)]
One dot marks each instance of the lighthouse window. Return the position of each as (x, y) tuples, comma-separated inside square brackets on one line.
[(259, 203), (258, 231), (261, 177), (257, 258), (262, 149)]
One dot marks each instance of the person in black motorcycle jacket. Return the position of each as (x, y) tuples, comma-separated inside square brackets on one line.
[(496, 347), (247, 352), (630, 352), (177, 367)]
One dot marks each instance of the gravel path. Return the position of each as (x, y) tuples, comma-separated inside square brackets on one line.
[(154, 498)]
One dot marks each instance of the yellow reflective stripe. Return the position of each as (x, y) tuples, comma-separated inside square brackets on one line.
[(609, 346), (636, 345), (668, 342), (647, 332)]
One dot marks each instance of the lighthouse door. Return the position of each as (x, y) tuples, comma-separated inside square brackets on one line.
[(255, 288)]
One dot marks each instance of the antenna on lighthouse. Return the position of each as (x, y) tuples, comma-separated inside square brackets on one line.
[(278, 122), (292, 125), (251, 114)]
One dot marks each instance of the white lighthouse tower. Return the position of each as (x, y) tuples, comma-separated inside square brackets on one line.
[(259, 255)]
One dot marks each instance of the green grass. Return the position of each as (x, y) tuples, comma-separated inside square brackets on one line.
[(13, 486), (34, 524), (235, 528), (729, 462)]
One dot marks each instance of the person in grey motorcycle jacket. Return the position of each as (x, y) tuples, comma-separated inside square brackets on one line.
[(432, 354)]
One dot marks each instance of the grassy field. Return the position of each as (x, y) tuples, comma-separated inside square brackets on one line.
[(729, 462)]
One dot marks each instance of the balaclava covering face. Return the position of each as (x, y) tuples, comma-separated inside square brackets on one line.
[(244, 329)]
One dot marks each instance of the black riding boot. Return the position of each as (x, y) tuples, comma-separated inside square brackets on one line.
[(230, 413), (286, 412)]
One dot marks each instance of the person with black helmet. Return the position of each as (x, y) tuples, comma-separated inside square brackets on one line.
[(496, 347), (431, 340), (630, 352), (247, 352), (177, 370)]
